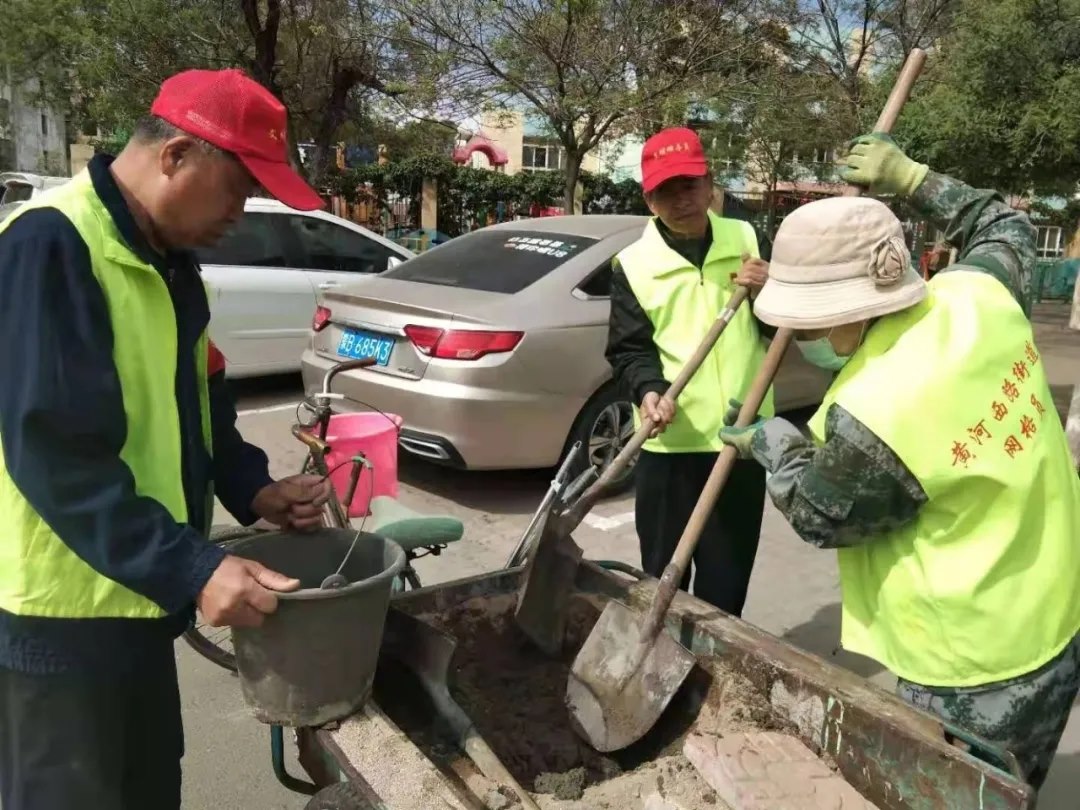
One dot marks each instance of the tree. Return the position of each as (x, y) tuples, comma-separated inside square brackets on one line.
[(857, 43), (998, 104), (783, 128), (103, 60), (590, 69), (337, 56)]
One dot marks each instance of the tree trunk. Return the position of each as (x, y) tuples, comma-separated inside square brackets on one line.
[(571, 197), (333, 117), (264, 35)]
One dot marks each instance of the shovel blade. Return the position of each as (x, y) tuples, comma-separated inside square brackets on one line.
[(549, 582), (612, 701)]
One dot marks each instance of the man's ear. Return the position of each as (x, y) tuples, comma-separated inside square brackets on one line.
[(648, 197), (174, 152)]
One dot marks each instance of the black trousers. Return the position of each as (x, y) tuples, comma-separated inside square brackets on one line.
[(96, 743), (668, 486)]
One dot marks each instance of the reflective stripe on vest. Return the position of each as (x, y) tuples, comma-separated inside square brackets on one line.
[(39, 574), (984, 584), (682, 303)]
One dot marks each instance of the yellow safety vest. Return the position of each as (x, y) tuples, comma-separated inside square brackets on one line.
[(984, 584), (39, 574), (682, 303)]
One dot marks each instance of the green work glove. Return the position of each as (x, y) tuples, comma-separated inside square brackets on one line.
[(739, 437), (877, 163), (731, 415)]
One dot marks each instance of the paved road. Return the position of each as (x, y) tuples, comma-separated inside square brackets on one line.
[(794, 593)]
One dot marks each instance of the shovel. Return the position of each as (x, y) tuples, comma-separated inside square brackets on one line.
[(553, 559), (554, 492), (628, 670), (426, 652)]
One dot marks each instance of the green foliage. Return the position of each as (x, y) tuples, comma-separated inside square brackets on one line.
[(602, 195), (999, 104), (778, 129), (102, 60), (466, 196), (113, 142), (589, 68)]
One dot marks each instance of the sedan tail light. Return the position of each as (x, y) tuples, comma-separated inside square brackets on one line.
[(321, 319), (461, 344)]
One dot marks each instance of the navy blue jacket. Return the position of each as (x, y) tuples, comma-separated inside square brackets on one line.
[(62, 425)]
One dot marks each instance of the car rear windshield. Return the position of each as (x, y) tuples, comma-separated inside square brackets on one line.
[(497, 261)]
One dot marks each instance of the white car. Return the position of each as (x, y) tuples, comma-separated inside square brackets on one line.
[(264, 276), (18, 187)]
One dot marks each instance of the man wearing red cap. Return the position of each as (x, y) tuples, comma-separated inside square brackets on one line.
[(667, 290), (117, 432)]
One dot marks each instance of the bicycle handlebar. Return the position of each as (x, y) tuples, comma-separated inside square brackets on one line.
[(313, 442), (348, 365)]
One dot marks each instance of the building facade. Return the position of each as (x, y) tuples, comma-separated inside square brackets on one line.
[(32, 138)]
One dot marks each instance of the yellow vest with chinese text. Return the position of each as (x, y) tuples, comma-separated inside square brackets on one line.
[(39, 574), (682, 302), (983, 584)]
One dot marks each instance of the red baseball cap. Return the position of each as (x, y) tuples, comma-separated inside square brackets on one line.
[(234, 112), (674, 152)]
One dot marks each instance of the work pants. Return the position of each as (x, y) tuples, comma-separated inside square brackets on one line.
[(668, 487), (1025, 715), (108, 742)]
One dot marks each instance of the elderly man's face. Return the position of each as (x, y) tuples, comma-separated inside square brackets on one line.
[(682, 203), (201, 194)]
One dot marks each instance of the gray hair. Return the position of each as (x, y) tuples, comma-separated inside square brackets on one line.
[(151, 129)]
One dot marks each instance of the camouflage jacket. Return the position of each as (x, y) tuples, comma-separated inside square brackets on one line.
[(855, 488)]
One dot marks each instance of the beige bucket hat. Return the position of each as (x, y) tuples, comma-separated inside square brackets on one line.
[(838, 261)]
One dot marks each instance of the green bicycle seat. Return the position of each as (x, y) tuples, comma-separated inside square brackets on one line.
[(411, 529)]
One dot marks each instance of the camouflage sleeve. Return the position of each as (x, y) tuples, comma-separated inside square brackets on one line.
[(990, 236), (847, 492)]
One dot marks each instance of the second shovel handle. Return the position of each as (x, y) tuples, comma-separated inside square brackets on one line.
[(673, 574)]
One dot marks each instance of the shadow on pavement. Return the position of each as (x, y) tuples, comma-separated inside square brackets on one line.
[(501, 492), (821, 636), (1059, 790)]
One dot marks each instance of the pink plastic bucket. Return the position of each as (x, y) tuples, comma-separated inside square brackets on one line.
[(375, 435)]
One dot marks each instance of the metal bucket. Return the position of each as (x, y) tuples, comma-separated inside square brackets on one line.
[(313, 660)]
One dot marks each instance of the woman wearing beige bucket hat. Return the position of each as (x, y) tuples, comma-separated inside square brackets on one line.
[(936, 464)]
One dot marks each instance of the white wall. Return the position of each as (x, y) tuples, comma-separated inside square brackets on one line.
[(40, 134)]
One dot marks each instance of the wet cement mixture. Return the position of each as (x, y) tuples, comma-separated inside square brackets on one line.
[(515, 696)]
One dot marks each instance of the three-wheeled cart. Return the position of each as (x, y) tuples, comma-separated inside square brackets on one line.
[(391, 754)]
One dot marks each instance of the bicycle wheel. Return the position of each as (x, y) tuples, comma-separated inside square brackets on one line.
[(215, 643)]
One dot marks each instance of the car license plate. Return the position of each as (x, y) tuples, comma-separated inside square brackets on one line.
[(360, 345)]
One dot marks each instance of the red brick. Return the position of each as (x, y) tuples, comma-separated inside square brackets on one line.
[(770, 771)]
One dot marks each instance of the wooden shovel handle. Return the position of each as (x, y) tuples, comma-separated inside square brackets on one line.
[(901, 92), (673, 574), (588, 499)]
